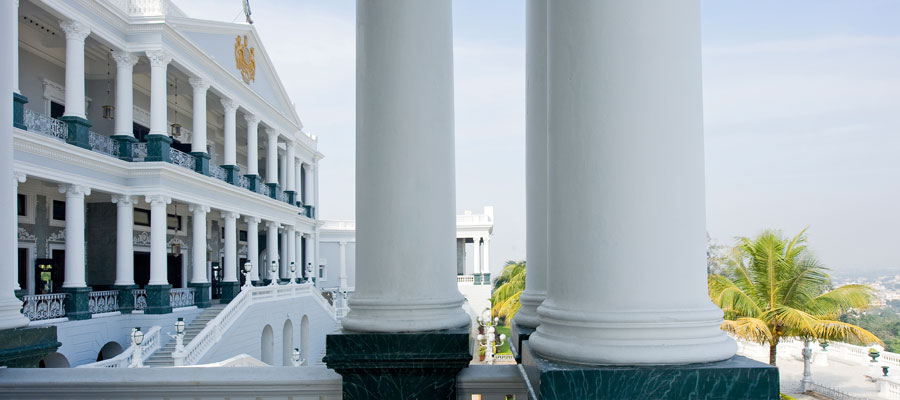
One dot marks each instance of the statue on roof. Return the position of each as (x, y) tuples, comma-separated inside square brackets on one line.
[(247, 11)]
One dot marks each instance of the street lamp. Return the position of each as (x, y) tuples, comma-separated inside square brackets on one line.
[(293, 273), (488, 341), (178, 354), (137, 337), (247, 267), (296, 357), (274, 273)]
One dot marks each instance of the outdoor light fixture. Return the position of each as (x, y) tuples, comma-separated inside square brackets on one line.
[(274, 276), (296, 357), (179, 326), (137, 337), (248, 266), (293, 273)]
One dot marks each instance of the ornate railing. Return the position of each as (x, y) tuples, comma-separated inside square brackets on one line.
[(140, 299), (149, 345), (283, 196), (218, 172), (831, 392), (181, 297), (103, 144), (139, 151), (262, 189), (465, 279), (44, 306), (244, 182), (48, 126), (103, 301), (182, 159)]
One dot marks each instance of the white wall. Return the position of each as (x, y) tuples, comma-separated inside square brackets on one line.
[(331, 251)]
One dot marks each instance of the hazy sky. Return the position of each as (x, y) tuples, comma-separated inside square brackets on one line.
[(802, 111)]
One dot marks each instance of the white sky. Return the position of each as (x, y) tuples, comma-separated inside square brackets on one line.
[(802, 111)]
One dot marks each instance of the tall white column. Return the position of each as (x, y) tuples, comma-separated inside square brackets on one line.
[(290, 170), (198, 141), (343, 277), (281, 171), (125, 62), (486, 256), (230, 107), (159, 62), (19, 177), (309, 263), (298, 246), (198, 239), (272, 156), (74, 234), (13, 32), (283, 266), (159, 272), (252, 144), (253, 246), (298, 182), (310, 199), (477, 256), (620, 180), (405, 124), (291, 238), (124, 239), (76, 32), (271, 247), (230, 267)]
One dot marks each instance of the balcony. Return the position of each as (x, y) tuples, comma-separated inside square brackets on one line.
[(40, 307)]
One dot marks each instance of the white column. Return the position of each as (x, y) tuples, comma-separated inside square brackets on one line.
[(74, 234), (298, 246), (198, 239), (283, 266), (124, 239), (198, 141), (19, 177), (281, 171), (159, 272), (271, 247), (290, 168), (343, 277), (626, 169), (10, 306), (309, 170), (13, 32), (291, 238), (230, 107), (159, 61), (309, 263), (252, 144), (253, 245), (405, 124), (124, 124), (272, 156), (76, 32), (477, 256), (486, 257), (230, 267), (298, 181)]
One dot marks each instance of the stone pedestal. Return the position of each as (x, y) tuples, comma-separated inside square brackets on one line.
[(290, 196), (158, 301), (254, 181), (274, 190), (79, 131), (126, 298), (76, 302), (230, 290), (415, 365), (232, 175), (476, 278), (202, 165), (126, 145), (735, 378), (25, 347), (19, 110), (518, 334), (201, 294), (157, 148)]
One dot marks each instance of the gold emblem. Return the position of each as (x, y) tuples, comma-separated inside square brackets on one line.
[(244, 60)]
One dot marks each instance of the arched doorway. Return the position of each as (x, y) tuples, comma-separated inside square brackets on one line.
[(304, 341), (267, 344), (287, 343), (109, 350), (54, 360)]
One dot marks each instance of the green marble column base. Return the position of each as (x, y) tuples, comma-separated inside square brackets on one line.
[(735, 378), (202, 165), (25, 347), (201, 294), (310, 211), (290, 196), (518, 335), (158, 301), (21, 293), (477, 278), (230, 290), (274, 190), (158, 148), (19, 110), (486, 278), (232, 175), (126, 298), (79, 131), (414, 365), (76, 302), (254, 182), (126, 143)]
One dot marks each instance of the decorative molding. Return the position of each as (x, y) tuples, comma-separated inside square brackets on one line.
[(199, 84), (159, 57), (230, 105), (53, 91), (57, 237), (252, 121), (141, 116), (25, 236), (229, 215), (75, 30), (248, 219), (142, 239), (72, 190), (157, 199), (124, 200), (198, 209), (124, 59)]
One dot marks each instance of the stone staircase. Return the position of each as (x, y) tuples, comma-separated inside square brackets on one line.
[(163, 356)]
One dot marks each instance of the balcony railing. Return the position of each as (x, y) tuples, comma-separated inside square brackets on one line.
[(103, 301), (139, 151), (44, 306), (181, 297), (182, 159), (218, 173), (48, 126), (140, 299), (103, 144)]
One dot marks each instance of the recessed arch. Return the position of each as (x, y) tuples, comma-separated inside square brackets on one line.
[(54, 360), (109, 350), (287, 343), (304, 341), (267, 346)]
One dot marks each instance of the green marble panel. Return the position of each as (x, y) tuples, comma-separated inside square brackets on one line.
[(201, 294), (126, 146), (202, 165), (158, 301), (232, 174), (25, 347), (77, 302), (254, 181), (19, 110), (158, 148), (274, 190), (126, 298), (79, 131), (230, 290)]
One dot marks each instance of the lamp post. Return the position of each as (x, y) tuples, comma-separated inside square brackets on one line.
[(807, 373), (247, 267), (296, 357), (137, 337), (178, 354), (274, 273), (293, 273), (488, 341)]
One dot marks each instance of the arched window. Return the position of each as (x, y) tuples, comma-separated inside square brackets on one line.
[(267, 343), (287, 343), (304, 341)]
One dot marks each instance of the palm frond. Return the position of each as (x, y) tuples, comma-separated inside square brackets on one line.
[(731, 299), (752, 329), (842, 331), (838, 301)]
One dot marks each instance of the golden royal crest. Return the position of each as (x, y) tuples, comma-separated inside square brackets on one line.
[(244, 60)]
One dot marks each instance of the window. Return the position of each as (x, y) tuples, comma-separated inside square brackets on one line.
[(141, 217), (56, 109), (140, 131), (59, 210), (173, 222), (322, 273), (22, 205), (242, 236)]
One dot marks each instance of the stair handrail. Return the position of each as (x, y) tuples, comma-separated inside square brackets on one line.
[(149, 345)]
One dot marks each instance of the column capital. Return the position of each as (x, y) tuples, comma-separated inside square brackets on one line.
[(19, 177), (75, 30), (159, 57), (74, 190), (230, 105), (124, 200), (273, 224), (124, 58), (199, 84), (271, 132), (198, 209), (157, 199), (229, 215), (251, 119), (249, 218)]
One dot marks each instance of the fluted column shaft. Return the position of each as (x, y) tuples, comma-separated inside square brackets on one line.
[(291, 238), (272, 156), (76, 33), (124, 240), (252, 144), (74, 234), (283, 266), (198, 254), (230, 106), (230, 267), (198, 141), (159, 272), (290, 170), (159, 62), (271, 247), (125, 62), (253, 246), (310, 199)]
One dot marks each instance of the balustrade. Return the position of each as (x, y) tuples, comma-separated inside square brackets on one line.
[(181, 297), (104, 145), (139, 151), (44, 306), (149, 345), (218, 173), (182, 159), (140, 299), (103, 301), (45, 125)]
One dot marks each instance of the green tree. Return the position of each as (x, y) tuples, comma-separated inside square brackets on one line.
[(774, 288), (507, 289)]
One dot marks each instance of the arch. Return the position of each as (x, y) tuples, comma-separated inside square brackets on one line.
[(304, 341), (54, 360), (109, 350), (287, 343), (267, 346)]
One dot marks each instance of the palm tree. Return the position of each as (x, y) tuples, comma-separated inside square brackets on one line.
[(507, 289), (774, 288)]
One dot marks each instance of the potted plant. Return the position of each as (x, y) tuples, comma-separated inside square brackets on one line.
[(824, 344), (873, 352), (481, 353)]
